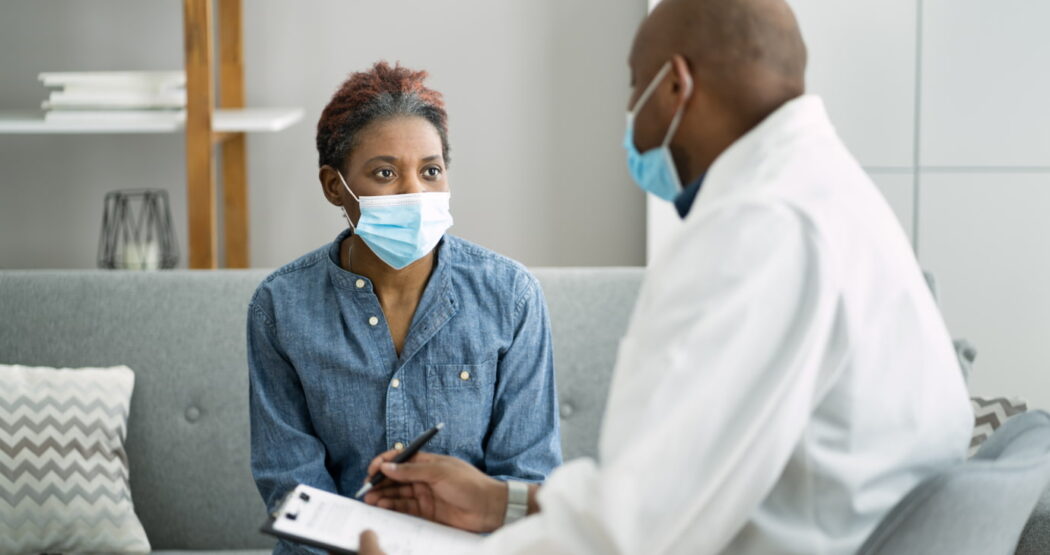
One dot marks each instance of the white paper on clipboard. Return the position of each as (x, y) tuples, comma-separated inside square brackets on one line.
[(338, 521)]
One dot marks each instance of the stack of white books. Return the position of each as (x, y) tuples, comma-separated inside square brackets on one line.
[(158, 96)]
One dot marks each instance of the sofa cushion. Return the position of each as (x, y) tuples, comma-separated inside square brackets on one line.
[(63, 468), (991, 413)]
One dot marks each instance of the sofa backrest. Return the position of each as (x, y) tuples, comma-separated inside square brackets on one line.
[(183, 333)]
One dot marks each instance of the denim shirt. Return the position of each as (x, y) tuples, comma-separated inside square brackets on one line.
[(328, 391)]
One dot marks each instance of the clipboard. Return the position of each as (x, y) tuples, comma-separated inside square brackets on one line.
[(267, 528), (283, 511), (325, 520)]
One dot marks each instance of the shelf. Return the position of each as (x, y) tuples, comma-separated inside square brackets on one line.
[(243, 120), (255, 119)]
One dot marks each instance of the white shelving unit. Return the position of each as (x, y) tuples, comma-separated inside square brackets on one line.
[(213, 131), (243, 120)]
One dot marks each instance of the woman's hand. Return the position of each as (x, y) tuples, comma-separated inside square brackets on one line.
[(441, 489)]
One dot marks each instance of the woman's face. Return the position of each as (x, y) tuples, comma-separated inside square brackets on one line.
[(394, 157)]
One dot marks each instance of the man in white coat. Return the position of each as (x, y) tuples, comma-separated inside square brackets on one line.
[(786, 377)]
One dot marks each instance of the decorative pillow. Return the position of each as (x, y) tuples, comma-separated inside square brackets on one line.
[(63, 468), (989, 414)]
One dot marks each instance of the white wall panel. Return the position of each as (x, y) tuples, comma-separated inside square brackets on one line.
[(986, 83), (862, 62), (899, 190), (986, 236)]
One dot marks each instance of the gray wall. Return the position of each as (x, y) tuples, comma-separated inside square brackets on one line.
[(535, 92)]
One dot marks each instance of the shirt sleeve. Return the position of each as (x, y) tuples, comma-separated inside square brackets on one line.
[(523, 440), (284, 448), (715, 382)]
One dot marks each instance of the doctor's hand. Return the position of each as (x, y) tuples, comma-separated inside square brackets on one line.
[(369, 544), (439, 488)]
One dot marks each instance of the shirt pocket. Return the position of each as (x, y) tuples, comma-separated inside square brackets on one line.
[(460, 395)]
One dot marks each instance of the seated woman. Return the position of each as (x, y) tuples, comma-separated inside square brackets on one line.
[(363, 344)]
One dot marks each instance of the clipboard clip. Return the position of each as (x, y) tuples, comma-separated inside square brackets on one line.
[(291, 504)]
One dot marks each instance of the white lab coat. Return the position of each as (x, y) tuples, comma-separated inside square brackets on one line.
[(785, 379)]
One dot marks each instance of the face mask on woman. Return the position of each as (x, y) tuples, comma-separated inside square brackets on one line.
[(401, 229)]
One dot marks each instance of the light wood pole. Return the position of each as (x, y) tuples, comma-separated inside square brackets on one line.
[(201, 140), (200, 162), (234, 157)]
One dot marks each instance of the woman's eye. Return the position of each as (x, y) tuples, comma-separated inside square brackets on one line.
[(384, 173), (432, 171)]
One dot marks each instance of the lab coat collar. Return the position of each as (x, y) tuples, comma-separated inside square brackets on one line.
[(801, 116)]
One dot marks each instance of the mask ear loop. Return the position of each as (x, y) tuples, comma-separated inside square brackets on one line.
[(343, 208), (651, 87), (677, 119)]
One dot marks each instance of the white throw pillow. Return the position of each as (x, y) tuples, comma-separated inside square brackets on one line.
[(63, 469)]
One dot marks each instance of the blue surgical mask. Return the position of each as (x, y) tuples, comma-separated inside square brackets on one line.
[(401, 229), (654, 170)]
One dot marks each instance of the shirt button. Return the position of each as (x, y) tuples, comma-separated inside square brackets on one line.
[(395, 383), (399, 446), (464, 375), (359, 283), (373, 321)]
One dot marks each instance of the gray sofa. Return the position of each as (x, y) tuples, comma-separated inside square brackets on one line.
[(182, 332)]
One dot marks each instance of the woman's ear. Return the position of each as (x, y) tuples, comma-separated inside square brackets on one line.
[(331, 184)]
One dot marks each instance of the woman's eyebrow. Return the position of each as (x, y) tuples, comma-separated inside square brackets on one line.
[(431, 158), (389, 159)]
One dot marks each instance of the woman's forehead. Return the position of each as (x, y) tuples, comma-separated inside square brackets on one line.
[(402, 137)]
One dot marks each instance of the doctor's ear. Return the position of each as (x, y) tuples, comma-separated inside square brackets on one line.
[(683, 78), (331, 185)]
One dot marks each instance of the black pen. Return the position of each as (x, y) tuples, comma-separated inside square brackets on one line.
[(401, 457)]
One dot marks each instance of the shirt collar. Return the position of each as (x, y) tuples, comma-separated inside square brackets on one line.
[(684, 201), (344, 278)]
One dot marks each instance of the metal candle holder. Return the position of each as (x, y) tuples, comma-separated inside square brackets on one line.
[(136, 231)]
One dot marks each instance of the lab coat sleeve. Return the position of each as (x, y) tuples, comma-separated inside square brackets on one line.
[(714, 385)]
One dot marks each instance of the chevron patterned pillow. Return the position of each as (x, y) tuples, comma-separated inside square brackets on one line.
[(989, 414), (63, 469)]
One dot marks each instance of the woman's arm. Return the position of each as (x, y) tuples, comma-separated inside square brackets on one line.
[(524, 442), (285, 449)]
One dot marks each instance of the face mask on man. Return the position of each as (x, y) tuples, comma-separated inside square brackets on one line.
[(401, 229), (654, 170)]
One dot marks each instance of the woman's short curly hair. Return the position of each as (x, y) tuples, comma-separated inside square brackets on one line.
[(381, 93)]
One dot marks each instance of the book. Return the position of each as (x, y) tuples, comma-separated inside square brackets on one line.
[(115, 79), (129, 99), (318, 518), (88, 116)]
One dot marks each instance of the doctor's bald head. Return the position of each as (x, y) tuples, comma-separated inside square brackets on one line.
[(732, 63)]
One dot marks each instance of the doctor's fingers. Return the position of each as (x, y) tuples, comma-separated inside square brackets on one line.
[(424, 467), (381, 458), (407, 506), (369, 544), (388, 456), (389, 490)]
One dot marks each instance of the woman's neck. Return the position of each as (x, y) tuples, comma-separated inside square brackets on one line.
[(406, 284)]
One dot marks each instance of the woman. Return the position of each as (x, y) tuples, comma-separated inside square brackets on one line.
[(361, 345)]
